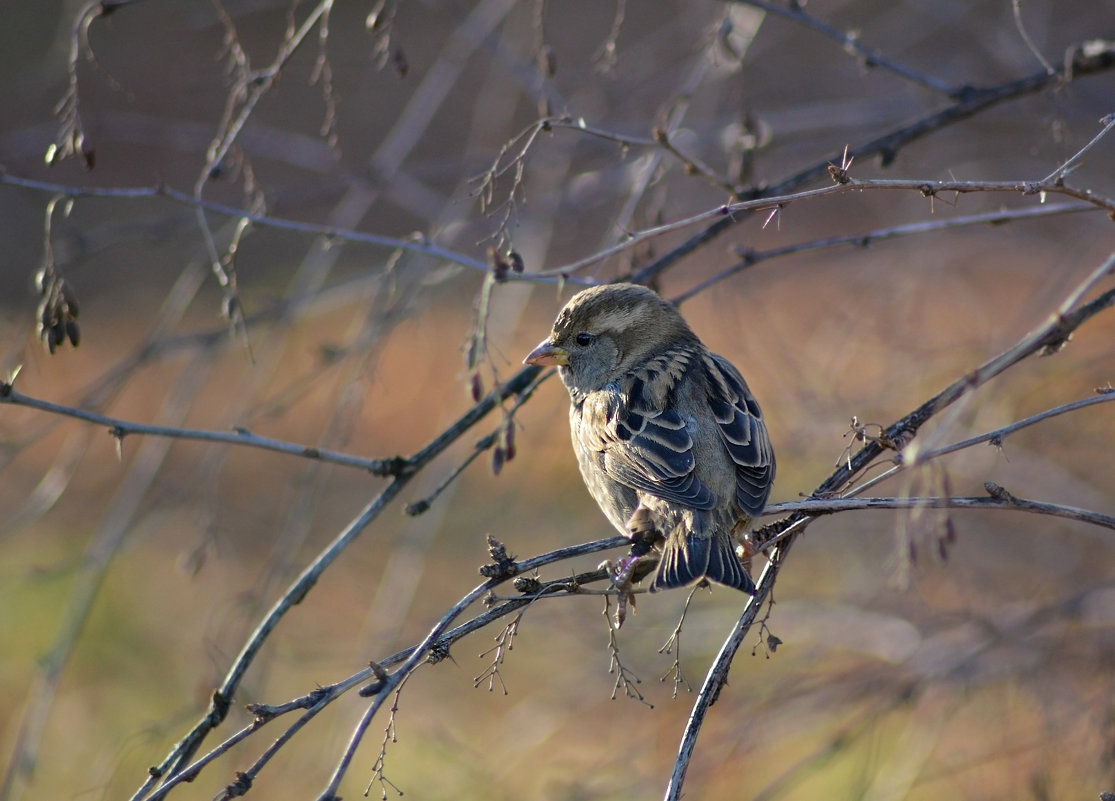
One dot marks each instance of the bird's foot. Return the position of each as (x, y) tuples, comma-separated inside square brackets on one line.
[(633, 567), (620, 572)]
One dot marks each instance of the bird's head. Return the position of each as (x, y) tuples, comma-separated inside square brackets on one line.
[(606, 331)]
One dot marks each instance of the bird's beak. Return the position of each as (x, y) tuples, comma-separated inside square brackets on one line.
[(547, 355)]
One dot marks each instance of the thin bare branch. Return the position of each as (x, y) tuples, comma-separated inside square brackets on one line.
[(1058, 174), (850, 41), (416, 243), (750, 258), (122, 428), (1001, 500), (1016, 10)]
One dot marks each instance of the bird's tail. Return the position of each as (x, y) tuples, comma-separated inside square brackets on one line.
[(688, 558)]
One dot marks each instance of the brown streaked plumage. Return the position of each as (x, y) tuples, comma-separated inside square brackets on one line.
[(667, 434)]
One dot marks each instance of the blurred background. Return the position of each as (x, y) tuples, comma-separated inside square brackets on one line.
[(131, 576)]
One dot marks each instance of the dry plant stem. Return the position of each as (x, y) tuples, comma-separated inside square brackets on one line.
[(240, 104), (483, 444), (1103, 396), (319, 698), (625, 679), (673, 646), (505, 642), (388, 737), (1049, 337), (221, 701)]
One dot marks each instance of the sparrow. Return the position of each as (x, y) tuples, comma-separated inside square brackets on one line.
[(670, 442)]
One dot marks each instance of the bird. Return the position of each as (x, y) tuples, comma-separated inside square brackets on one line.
[(669, 439)]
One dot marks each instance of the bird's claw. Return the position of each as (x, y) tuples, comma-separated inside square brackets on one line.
[(620, 573)]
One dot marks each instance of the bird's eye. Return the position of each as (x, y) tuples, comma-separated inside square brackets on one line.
[(584, 338)]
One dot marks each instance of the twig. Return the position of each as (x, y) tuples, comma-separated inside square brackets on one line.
[(625, 679), (693, 166), (820, 506), (865, 240), (1016, 10), (120, 429), (413, 244), (505, 641), (389, 736), (871, 58), (673, 646), (1058, 174)]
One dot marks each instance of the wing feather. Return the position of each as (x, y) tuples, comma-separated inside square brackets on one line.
[(743, 432), (646, 444)]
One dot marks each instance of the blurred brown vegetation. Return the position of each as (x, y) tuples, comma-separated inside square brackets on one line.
[(987, 674)]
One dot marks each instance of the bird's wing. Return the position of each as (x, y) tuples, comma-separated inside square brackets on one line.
[(645, 447), (743, 431)]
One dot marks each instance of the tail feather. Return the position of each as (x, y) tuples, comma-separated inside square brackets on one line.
[(689, 559)]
